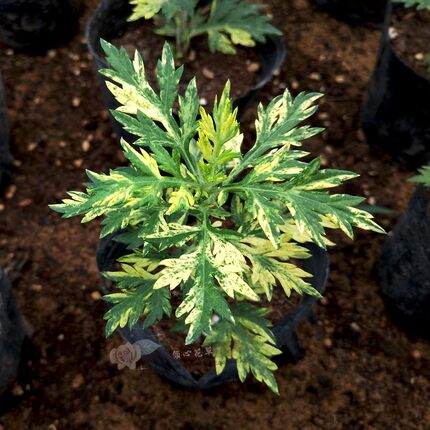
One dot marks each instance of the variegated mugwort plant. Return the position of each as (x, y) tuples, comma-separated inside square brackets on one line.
[(200, 216), (226, 22)]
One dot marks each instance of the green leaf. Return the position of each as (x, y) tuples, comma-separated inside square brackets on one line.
[(249, 341), (127, 308), (177, 235), (420, 4), (269, 266), (235, 22), (423, 176)]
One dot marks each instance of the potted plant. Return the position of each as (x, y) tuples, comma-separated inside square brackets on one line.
[(355, 11), (12, 335), (206, 32), (404, 266), (37, 25), (396, 111), (211, 231), (5, 155)]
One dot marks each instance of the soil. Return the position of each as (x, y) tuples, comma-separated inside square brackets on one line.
[(412, 40), (360, 372), (212, 70)]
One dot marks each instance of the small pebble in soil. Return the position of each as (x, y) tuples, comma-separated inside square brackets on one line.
[(355, 327), (9, 52), (52, 53), (360, 135), (36, 288), (392, 33), (17, 163), (295, 84), (78, 381), (24, 203), (10, 191), (203, 101), (60, 337), (31, 146), (324, 301), (314, 76), (340, 79), (78, 162), (253, 67), (52, 427), (2, 206), (323, 115), (328, 343), (372, 200), (86, 145), (76, 102), (419, 56), (207, 73), (120, 156), (17, 390), (95, 295), (192, 55), (62, 144), (416, 354)]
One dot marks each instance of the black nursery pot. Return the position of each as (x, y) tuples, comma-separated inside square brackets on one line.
[(11, 335), (110, 21), (396, 112), (5, 155), (355, 11), (166, 366), (37, 25), (404, 266)]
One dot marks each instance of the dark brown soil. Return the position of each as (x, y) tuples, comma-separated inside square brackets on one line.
[(212, 70), (360, 372), (412, 43)]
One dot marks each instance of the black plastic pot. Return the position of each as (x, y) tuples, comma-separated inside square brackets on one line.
[(5, 155), (110, 21), (404, 266), (355, 11), (37, 25), (396, 112), (12, 335), (166, 366)]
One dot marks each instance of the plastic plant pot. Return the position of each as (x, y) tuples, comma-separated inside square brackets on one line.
[(404, 266), (355, 11), (5, 155), (163, 362), (37, 25), (110, 21), (12, 335), (396, 111)]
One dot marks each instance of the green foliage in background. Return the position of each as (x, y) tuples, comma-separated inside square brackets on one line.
[(226, 22)]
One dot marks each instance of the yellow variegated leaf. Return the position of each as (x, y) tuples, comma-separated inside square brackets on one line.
[(180, 200)]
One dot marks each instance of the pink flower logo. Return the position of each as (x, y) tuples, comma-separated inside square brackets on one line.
[(126, 355)]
